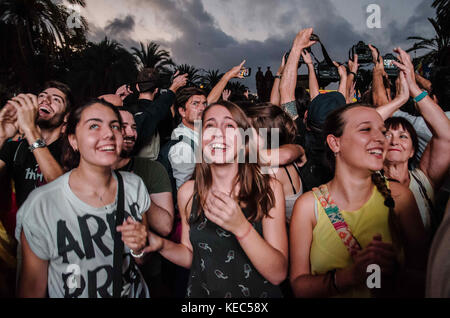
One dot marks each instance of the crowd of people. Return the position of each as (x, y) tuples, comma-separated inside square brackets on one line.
[(151, 192)]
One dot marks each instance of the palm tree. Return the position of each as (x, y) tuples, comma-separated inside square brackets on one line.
[(435, 45), (101, 68), (443, 13), (194, 78), (236, 88), (211, 78), (152, 56), (40, 24), (36, 34)]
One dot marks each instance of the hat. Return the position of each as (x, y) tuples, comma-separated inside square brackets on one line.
[(321, 106)]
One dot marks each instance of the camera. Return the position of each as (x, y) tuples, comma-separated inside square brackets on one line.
[(389, 67), (327, 72), (363, 51)]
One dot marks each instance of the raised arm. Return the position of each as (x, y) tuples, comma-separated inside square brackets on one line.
[(378, 89), (343, 79), (351, 77), (216, 92), (27, 111), (435, 161), (312, 78), (289, 78), (400, 99), (275, 94)]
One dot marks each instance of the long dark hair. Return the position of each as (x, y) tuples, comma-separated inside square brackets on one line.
[(255, 191), (70, 157), (267, 115), (334, 125)]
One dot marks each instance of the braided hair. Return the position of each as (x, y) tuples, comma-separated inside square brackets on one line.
[(334, 125), (380, 182)]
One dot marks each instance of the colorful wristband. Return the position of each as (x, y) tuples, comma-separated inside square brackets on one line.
[(421, 96)]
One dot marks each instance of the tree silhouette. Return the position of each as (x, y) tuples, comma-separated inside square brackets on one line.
[(151, 56), (194, 77), (100, 69)]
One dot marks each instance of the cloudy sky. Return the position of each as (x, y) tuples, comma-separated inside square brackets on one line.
[(218, 34)]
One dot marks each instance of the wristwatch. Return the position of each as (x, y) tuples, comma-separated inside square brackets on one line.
[(39, 143)]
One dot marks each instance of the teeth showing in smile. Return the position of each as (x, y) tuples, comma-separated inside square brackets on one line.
[(218, 146), (45, 110), (376, 152), (108, 148)]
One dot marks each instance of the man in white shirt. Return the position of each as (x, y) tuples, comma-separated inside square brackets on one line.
[(190, 103)]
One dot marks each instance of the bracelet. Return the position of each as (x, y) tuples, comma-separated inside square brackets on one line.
[(421, 96), (354, 74), (137, 255), (246, 233), (278, 76)]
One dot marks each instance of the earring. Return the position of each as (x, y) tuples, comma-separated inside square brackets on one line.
[(336, 153)]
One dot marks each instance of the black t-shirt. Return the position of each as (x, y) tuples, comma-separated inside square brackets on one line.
[(23, 168)]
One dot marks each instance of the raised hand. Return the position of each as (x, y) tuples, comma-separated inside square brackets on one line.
[(236, 71), (226, 94), (26, 106), (178, 81), (134, 234), (353, 64), (405, 65), (306, 57), (123, 91), (8, 122), (341, 69), (302, 39)]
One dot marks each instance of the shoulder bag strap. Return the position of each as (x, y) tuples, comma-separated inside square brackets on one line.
[(118, 243), (336, 219)]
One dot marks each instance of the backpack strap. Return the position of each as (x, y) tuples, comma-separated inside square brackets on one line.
[(336, 219), (118, 243)]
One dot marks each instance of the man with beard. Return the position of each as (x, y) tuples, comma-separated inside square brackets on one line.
[(34, 160), (152, 173)]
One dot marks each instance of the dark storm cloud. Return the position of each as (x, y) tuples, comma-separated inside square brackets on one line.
[(120, 26), (201, 41)]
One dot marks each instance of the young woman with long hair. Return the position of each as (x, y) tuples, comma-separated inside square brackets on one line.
[(357, 219), (233, 224), (67, 228), (270, 117)]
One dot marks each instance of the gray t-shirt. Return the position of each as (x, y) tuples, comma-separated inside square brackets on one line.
[(77, 239)]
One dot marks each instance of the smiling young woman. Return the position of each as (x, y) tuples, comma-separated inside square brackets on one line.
[(356, 219), (233, 225), (67, 228)]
